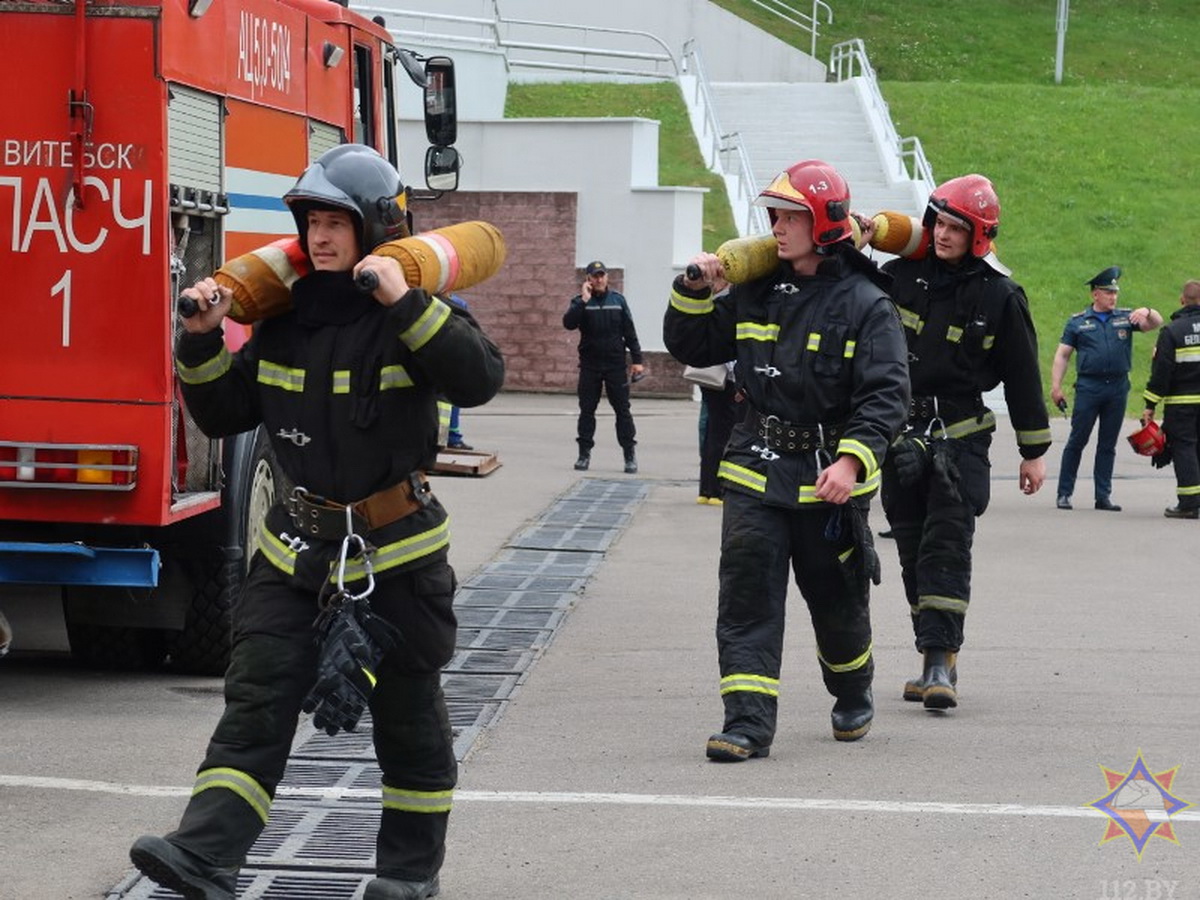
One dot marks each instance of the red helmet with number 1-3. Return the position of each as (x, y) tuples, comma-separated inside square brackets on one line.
[(972, 200), (816, 186)]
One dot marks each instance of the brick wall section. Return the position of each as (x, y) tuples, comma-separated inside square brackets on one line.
[(521, 307)]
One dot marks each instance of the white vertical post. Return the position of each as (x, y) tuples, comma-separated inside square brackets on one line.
[(1064, 8), (813, 51)]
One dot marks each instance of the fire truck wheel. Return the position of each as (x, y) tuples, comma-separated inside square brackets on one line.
[(202, 647), (102, 646)]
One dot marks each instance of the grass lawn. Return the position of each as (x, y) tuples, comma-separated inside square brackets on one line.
[(1103, 169)]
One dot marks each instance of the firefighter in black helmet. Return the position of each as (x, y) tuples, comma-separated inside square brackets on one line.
[(346, 386), (821, 364)]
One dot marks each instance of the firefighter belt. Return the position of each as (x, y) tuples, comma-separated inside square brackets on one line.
[(790, 437), (326, 519)]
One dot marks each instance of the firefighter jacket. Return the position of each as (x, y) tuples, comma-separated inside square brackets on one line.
[(968, 329), (1175, 370), (347, 391), (820, 362), (605, 330)]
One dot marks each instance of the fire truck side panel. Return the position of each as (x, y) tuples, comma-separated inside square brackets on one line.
[(265, 149), (253, 50), (329, 90), (61, 421), (84, 284)]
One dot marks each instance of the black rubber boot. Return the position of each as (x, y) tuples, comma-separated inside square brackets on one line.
[(180, 871), (395, 889), (630, 462), (939, 692), (730, 747), (852, 715), (914, 690)]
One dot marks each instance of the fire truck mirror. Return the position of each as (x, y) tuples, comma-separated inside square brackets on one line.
[(441, 168), (441, 111)]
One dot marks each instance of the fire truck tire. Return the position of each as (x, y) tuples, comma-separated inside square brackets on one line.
[(113, 647), (202, 647)]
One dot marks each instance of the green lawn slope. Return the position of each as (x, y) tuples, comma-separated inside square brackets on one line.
[(1102, 169)]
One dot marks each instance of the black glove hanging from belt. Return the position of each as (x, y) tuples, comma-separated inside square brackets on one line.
[(353, 641), (910, 457)]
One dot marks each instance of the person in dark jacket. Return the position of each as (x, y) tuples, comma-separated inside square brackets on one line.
[(968, 330), (345, 384), (605, 331), (1175, 383), (1103, 335), (821, 364)]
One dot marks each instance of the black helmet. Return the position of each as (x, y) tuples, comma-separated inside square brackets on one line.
[(353, 177)]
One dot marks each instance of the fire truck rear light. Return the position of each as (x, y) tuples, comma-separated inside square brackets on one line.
[(105, 467)]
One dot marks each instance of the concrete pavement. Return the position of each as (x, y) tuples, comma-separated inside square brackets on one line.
[(1081, 653)]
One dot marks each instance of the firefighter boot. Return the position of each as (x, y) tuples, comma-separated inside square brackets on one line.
[(183, 872), (939, 692), (395, 889), (852, 714), (731, 747), (914, 689)]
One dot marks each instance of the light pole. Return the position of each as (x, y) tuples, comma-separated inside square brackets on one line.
[(1064, 9)]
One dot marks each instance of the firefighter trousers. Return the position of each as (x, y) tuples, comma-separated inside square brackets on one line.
[(1181, 422), (933, 523), (273, 666), (758, 544), (614, 381)]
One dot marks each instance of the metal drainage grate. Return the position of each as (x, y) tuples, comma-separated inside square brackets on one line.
[(320, 840)]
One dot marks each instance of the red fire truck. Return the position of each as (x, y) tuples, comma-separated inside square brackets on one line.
[(142, 143)]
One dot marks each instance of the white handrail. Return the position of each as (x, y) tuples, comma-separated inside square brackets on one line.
[(804, 21), (496, 34), (722, 145), (849, 60)]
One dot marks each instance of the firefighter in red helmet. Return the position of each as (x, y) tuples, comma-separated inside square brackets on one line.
[(821, 364), (968, 330)]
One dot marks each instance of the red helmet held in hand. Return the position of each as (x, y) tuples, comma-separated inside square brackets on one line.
[(816, 186), (972, 200), (1148, 440)]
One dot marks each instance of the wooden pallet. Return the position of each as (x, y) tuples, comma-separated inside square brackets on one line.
[(466, 462)]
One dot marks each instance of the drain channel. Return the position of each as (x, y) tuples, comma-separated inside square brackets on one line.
[(320, 840)]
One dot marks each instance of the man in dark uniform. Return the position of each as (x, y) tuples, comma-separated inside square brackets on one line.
[(821, 364), (1175, 382), (968, 329), (1102, 334), (346, 385), (605, 331)]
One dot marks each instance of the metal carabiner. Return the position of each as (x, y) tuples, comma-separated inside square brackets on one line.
[(344, 554), (764, 453), (937, 417), (821, 453), (941, 427)]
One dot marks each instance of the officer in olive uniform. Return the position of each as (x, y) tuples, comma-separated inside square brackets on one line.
[(1102, 334)]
